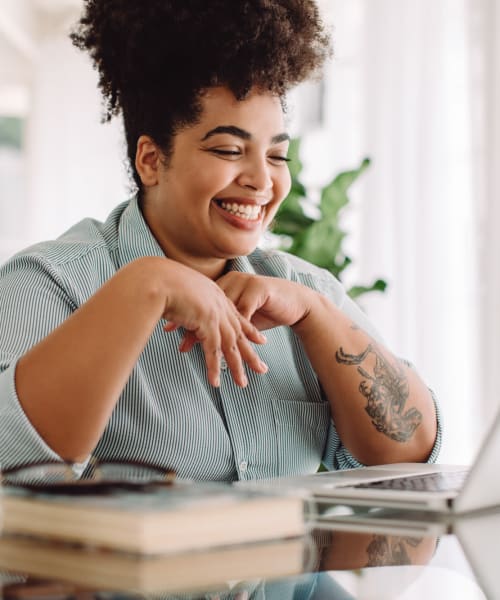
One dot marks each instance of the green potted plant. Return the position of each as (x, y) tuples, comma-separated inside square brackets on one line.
[(312, 231)]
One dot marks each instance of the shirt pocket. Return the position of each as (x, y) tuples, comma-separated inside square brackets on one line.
[(301, 434)]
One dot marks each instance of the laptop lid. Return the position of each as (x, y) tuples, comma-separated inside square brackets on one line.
[(482, 487)]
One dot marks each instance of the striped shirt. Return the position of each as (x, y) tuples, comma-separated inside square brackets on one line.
[(168, 414)]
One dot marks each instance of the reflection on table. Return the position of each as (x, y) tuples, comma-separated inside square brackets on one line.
[(340, 560)]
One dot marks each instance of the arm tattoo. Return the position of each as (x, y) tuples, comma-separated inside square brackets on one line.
[(389, 551), (386, 391)]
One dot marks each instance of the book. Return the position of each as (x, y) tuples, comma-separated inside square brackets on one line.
[(179, 517), (105, 570)]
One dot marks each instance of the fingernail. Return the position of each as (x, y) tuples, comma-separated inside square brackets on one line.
[(244, 381), (264, 367)]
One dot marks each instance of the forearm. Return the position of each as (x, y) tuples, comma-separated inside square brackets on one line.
[(382, 410), (69, 383)]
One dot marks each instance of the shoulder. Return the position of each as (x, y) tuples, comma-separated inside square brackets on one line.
[(82, 258), (87, 236)]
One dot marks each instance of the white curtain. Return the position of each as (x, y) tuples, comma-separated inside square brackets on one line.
[(415, 86), (484, 29)]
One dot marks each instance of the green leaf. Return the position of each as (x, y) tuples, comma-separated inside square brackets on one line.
[(334, 195), (337, 268), (295, 164), (298, 188), (290, 218), (319, 244), (11, 132), (318, 240), (357, 290)]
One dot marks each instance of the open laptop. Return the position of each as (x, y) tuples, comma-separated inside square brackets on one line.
[(411, 486)]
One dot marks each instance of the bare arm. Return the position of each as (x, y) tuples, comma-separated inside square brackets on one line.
[(382, 410), (69, 383)]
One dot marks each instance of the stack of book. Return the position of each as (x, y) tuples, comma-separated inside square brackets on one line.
[(179, 537)]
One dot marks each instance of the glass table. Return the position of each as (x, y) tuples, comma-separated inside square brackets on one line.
[(368, 556)]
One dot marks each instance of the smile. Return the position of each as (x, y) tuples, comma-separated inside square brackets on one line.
[(249, 212)]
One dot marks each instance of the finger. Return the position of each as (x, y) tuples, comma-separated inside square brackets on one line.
[(232, 286), (211, 344), (170, 326), (252, 331), (243, 293), (238, 350), (188, 342), (251, 300), (250, 356), (230, 349)]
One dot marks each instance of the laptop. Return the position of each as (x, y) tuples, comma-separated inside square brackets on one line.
[(448, 489)]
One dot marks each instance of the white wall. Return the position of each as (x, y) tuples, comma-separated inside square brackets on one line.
[(73, 166), (414, 85), (76, 164)]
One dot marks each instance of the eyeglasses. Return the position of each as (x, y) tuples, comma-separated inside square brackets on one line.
[(105, 476)]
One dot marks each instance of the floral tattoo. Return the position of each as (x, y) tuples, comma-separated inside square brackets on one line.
[(386, 391), (390, 551)]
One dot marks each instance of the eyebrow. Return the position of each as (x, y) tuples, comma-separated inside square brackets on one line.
[(241, 133)]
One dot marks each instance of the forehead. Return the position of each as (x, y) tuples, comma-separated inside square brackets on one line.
[(261, 114)]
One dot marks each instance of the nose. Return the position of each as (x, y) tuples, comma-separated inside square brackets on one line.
[(255, 174)]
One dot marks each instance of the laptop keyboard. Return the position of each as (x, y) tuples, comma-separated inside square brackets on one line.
[(432, 482)]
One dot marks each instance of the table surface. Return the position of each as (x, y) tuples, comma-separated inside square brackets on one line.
[(345, 557)]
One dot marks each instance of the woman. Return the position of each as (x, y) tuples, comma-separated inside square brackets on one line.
[(141, 338)]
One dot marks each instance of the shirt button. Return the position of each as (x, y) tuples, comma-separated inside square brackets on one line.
[(243, 466), (223, 363)]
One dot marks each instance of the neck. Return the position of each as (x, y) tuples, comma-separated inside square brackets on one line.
[(213, 268)]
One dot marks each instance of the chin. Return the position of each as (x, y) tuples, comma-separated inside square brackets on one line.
[(242, 249)]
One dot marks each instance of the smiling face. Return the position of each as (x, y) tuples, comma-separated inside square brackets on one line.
[(223, 183)]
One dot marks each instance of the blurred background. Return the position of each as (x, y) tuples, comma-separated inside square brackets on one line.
[(414, 86)]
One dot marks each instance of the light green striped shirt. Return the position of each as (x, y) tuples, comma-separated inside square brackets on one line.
[(168, 414)]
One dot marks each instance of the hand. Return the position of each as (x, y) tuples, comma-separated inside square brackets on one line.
[(201, 307), (267, 301)]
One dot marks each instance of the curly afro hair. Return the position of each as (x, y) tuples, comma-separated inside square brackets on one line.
[(155, 58)]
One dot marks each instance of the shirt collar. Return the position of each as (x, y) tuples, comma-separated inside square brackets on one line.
[(242, 264), (134, 236)]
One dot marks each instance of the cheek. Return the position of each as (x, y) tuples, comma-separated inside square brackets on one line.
[(196, 188), (205, 183)]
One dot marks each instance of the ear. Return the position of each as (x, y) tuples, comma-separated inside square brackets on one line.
[(147, 161)]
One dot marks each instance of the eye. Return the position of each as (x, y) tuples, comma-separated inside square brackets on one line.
[(227, 153), (278, 159)]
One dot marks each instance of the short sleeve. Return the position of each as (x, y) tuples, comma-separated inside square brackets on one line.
[(32, 303), (336, 456), (21, 443)]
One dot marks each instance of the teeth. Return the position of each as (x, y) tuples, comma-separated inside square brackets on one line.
[(250, 212)]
